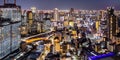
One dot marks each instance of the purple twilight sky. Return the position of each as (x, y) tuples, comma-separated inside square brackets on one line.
[(67, 4)]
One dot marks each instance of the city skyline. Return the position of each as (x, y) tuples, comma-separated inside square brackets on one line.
[(67, 4)]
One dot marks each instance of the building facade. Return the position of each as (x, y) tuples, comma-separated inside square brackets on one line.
[(10, 21)]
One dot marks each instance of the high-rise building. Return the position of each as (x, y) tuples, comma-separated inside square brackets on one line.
[(30, 20), (40, 22), (111, 22), (41, 14), (24, 17), (23, 27), (56, 14), (10, 21), (30, 17), (71, 14), (5, 37)]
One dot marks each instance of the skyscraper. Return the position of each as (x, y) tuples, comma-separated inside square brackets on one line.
[(111, 22), (10, 21), (56, 14)]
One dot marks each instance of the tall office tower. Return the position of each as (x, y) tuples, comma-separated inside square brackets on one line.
[(10, 22), (71, 11), (23, 27), (41, 15), (30, 17), (11, 10), (111, 22), (71, 14), (24, 17), (56, 14), (32, 24), (118, 27), (5, 37), (101, 14), (40, 20)]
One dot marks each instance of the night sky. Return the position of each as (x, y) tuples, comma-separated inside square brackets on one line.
[(67, 4)]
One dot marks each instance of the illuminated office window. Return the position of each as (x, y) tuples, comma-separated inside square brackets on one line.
[(13, 13)]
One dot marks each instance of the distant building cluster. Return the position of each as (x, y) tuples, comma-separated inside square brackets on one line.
[(16, 23), (65, 18)]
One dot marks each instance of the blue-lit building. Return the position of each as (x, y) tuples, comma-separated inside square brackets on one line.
[(5, 37), (10, 21), (15, 35)]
